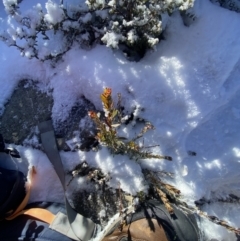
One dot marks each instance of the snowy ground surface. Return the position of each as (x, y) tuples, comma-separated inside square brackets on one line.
[(189, 89)]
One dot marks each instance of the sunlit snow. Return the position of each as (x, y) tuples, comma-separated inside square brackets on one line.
[(189, 89)]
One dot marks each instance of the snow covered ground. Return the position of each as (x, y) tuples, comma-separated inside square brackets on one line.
[(189, 89)]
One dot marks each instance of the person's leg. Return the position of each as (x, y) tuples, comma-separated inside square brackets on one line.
[(28, 229)]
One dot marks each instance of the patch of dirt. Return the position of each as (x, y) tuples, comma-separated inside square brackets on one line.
[(26, 108)]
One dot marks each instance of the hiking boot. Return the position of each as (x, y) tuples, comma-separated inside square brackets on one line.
[(152, 222), (142, 229)]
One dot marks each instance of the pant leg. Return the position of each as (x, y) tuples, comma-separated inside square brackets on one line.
[(26, 228)]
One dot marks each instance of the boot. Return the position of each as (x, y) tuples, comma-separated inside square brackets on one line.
[(152, 222), (140, 230)]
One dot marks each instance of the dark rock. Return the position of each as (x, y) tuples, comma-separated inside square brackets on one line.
[(26, 108)]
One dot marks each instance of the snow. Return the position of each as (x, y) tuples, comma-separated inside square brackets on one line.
[(54, 12), (188, 88), (112, 39)]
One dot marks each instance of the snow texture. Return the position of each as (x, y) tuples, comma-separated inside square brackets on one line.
[(189, 89)]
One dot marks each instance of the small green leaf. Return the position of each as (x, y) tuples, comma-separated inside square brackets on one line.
[(114, 113)]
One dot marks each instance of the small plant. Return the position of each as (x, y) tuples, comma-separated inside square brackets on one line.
[(107, 135), (107, 131), (133, 26)]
